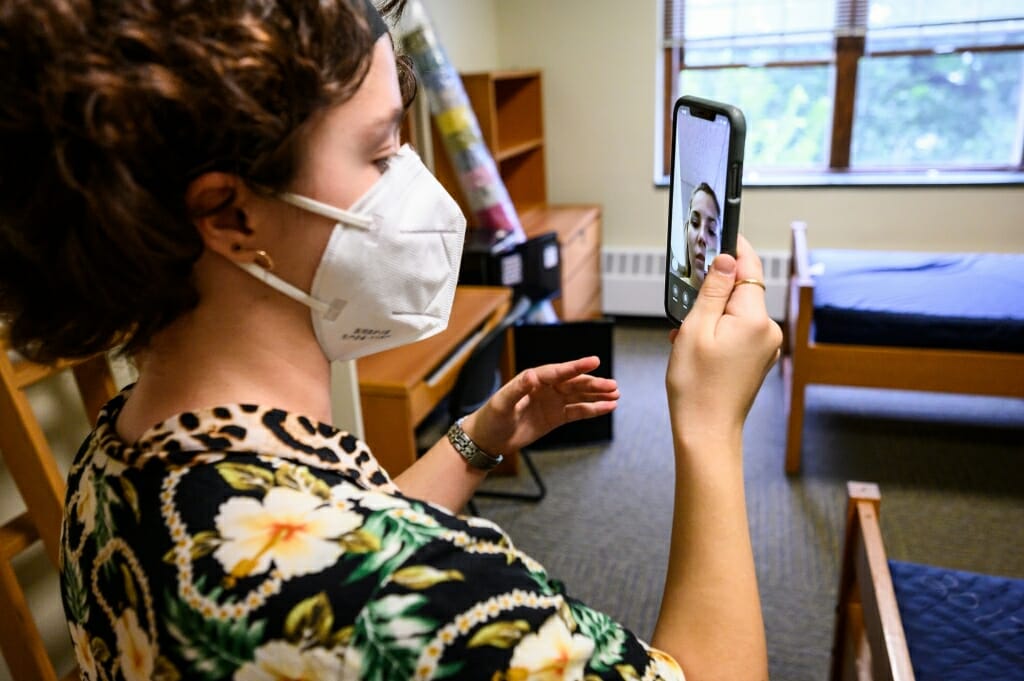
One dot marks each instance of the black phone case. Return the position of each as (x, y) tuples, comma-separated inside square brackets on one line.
[(733, 183)]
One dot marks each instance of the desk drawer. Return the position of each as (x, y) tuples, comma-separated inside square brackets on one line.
[(579, 239), (579, 310), (581, 291), (578, 228), (579, 245)]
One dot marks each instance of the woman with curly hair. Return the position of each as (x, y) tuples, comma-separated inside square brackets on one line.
[(218, 189)]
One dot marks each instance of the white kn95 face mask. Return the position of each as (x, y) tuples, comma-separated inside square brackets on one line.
[(387, 276)]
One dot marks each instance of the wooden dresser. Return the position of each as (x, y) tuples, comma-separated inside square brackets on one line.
[(579, 239)]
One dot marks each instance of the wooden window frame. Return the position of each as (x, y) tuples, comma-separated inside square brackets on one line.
[(848, 51)]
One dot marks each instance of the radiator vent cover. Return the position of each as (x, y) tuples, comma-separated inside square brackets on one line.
[(633, 281)]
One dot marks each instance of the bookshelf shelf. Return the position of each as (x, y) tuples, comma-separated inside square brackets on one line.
[(509, 108)]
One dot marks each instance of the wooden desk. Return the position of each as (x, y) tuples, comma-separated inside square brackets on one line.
[(393, 385)]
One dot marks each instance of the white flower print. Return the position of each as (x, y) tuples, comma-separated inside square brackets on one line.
[(665, 666), (371, 501), (108, 466), (484, 523), (83, 651), (283, 661), (292, 529), (553, 653), (353, 665), (85, 505), (135, 651)]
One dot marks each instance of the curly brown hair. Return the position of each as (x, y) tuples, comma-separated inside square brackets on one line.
[(109, 109)]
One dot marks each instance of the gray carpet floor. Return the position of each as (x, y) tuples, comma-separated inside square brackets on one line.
[(950, 468)]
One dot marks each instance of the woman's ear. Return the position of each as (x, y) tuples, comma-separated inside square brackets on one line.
[(216, 204)]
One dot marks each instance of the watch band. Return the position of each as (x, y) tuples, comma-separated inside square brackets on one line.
[(464, 445)]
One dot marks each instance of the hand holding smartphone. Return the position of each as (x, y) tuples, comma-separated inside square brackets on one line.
[(704, 195)]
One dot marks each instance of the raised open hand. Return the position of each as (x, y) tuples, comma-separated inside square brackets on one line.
[(539, 400)]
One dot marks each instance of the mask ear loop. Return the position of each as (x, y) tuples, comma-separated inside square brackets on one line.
[(328, 312), (347, 217), (327, 210)]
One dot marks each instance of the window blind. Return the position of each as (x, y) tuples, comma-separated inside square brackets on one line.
[(752, 32), (943, 26)]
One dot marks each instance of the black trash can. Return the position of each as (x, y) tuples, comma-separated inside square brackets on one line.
[(537, 344)]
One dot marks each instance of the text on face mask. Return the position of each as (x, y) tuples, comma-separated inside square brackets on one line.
[(368, 334)]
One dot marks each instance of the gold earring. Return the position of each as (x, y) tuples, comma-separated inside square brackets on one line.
[(263, 259)]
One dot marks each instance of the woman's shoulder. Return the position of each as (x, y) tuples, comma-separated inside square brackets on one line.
[(209, 434)]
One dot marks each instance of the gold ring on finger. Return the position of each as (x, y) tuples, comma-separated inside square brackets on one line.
[(755, 282)]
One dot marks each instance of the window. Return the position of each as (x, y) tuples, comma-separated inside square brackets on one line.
[(856, 86)]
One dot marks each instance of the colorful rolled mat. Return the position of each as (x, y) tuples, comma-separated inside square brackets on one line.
[(477, 173)]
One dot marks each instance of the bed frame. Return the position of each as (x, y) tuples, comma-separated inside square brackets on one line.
[(869, 640), (806, 362)]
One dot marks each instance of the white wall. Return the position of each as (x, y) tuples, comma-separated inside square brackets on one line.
[(468, 29), (599, 59)]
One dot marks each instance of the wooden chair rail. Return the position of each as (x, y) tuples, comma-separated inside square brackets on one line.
[(28, 373), (16, 535), (20, 640), (32, 466)]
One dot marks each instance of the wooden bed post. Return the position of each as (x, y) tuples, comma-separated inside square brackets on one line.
[(799, 311), (869, 641)]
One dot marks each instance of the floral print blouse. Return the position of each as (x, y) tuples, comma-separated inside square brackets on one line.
[(246, 543)]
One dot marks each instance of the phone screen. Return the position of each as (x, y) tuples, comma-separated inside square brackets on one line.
[(696, 213)]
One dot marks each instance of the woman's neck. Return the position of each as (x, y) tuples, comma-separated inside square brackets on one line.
[(267, 356)]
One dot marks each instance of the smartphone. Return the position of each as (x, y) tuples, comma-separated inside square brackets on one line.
[(704, 195)]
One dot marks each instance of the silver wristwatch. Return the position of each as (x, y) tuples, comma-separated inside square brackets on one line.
[(474, 456)]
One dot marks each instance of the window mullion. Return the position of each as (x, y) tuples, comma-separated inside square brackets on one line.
[(849, 50), (673, 62), (851, 21)]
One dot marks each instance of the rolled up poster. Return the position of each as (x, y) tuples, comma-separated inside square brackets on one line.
[(464, 144)]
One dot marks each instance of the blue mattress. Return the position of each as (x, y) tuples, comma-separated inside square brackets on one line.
[(961, 626), (970, 301)]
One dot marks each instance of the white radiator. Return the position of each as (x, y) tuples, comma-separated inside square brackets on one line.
[(633, 281)]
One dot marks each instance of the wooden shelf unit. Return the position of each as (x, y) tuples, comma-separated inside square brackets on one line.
[(509, 109)]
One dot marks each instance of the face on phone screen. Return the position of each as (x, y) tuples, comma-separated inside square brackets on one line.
[(696, 213)]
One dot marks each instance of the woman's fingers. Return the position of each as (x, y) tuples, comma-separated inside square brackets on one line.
[(593, 397), (519, 387), (565, 371), (747, 300), (588, 383), (567, 378), (714, 292), (586, 410)]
